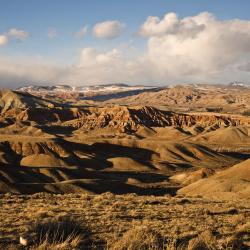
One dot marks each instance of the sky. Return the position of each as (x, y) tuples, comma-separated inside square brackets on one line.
[(155, 42)]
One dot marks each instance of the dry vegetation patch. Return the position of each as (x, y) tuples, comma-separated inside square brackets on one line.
[(63, 231), (111, 221)]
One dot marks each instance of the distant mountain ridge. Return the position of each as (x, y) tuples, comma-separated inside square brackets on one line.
[(116, 87), (228, 98), (119, 87), (233, 98)]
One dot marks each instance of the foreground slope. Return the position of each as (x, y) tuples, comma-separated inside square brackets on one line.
[(129, 221)]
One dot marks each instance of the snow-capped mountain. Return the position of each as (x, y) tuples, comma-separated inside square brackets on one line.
[(239, 84), (119, 87)]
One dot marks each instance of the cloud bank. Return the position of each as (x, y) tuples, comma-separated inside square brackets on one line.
[(198, 48)]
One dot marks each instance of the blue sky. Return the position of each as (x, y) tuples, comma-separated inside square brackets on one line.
[(67, 17)]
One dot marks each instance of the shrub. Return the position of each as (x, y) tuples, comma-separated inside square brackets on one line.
[(62, 233)]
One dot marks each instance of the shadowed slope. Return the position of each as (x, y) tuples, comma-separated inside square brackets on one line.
[(226, 184)]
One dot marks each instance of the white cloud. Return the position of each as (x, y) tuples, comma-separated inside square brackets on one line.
[(52, 33), (108, 29), (198, 48), (13, 34), (90, 56), (3, 40), (171, 24), (97, 67), (92, 67), (82, 32), (17, 34)]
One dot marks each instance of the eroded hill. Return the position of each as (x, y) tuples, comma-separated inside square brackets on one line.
[(61, 148), (211, 98)]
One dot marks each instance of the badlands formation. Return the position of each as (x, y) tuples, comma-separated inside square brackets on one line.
[(190, 142)]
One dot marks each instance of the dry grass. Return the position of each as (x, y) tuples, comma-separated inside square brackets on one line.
[(144, 238), (115, 222), (72, 242), (207, 241), (140, 237), (60, 233)]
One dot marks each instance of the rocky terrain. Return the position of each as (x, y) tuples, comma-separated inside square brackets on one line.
[(57, 147), (182, 141)]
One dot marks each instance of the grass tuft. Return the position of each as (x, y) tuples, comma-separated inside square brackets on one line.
[(140, 237), (61, 233)]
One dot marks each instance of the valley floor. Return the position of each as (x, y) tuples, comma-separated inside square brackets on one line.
[(108, 217)]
